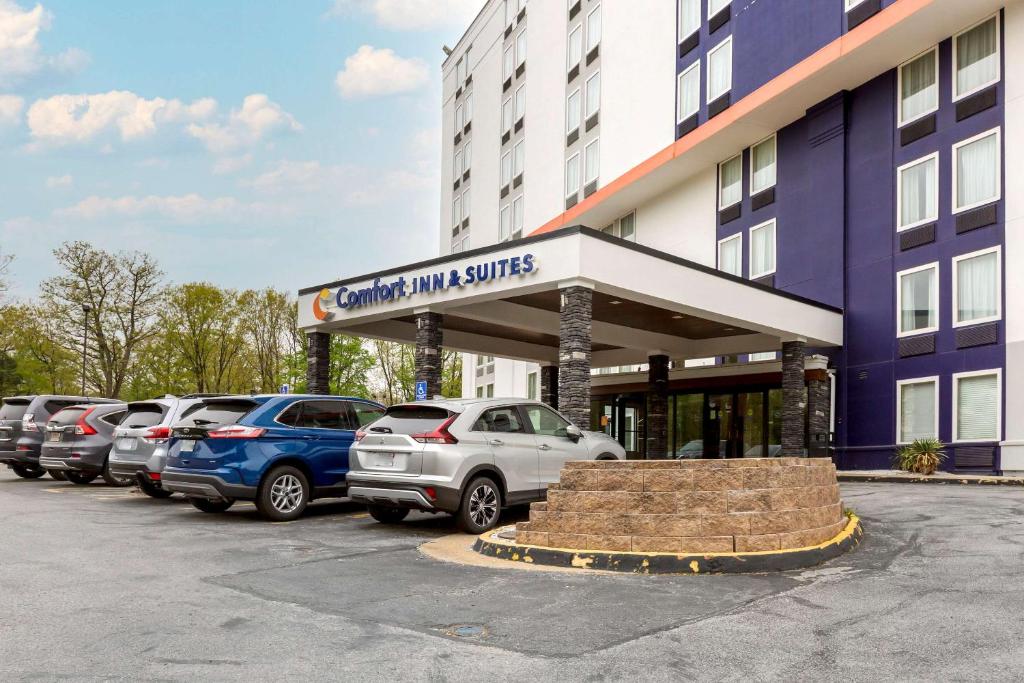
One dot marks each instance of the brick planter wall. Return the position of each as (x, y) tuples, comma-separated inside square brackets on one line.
[(689, 506)]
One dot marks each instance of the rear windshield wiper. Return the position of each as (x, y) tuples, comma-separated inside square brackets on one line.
[(199, 422), (382, 430)]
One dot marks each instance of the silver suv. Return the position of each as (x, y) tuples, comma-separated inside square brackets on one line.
[(469, 457), (141, 440)]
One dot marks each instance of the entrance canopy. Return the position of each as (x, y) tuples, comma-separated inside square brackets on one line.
[(505, 300)]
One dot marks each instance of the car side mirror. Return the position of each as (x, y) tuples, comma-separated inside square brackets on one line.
[(573, 433)]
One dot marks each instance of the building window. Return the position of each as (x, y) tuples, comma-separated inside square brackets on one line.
[(688, 92), (976, 58), (593, 94), (977, 289), (594, 28), (532, 386), (469, 107), (689, 18), (508, 65), (490, 390), (917, 300), (917, 413), (518, 158), (457, 210), (505, 220), (465, 204), (506, 169), (762, 250), (623, 228), (730, 182), (720, 69), (484, 365), (730, 255), (850, 4), (467, 156), (460, 71), (510, 12), (592, 162), (517, 217), (763, 356), (716, 6), (520, 106), (506, 116), (917, 198), (458, 118), (575, 48), (919, 86), (572, 111), (465, 243), (458, 164), (976, 173), (572, 175), (762, 165), (456, 247), (977, 406), (521, 48)]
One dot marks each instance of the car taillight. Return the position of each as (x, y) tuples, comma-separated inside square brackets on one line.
[(154, 476), (431, 492), (157, 435), (28, 423), (439, 435), (82, 427), (236, 432)]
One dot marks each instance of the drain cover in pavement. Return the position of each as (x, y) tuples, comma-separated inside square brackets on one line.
[(464, 630)]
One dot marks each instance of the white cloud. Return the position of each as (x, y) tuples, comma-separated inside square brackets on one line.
[(67, 119), (226, 165), (411, 15), (21, 55), (258, 118), (10, 109), (59, 181), (188, 208), (372, 72), (352, 185)]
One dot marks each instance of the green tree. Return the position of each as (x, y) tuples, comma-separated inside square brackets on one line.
[(265, 318), (351, 363)]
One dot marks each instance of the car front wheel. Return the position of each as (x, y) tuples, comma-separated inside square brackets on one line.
[(283, 495), (211, 506), (386, 515), (26, 472), (481, 506)]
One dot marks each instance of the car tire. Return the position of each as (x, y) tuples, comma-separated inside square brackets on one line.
[(211, 506), (386, 515), (114, 480), (153, 491), (283, 494), (82, 478), (480, 507), (27, 472), (57, 475)]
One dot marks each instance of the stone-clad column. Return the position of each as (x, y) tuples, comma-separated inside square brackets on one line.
[(574, 348), (429, 335), (318, 362), (794, 422), (549, 385), (819, 408), (657, 407)]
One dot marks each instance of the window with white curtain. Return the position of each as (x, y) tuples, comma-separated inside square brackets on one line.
[(506, 116), (976, 58), (458, 118), (457, 171), (594, 28), (520, 108), (977, 288), (468, 149), (919, 86), (521, 47), (505, 221), (469, 107), (457, 210), (592, 163), (575, 54), (730, 255), (572, 111), (688, 92), (762, 250), (917, 416), (716, 6), (506, 168), (510, 12), (917, 300), (917, 196), (508, 64), (593, 94), (730, 182), (627, 227), (518, 158), (517, 217), (460, 71), (572, 175), (977, 406), (720, 69), (465, 204), (763, 356), (976, 172), (762, 165), (465, 243), (689, 18)]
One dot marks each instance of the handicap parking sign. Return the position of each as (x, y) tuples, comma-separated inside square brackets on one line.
[(421, 390)]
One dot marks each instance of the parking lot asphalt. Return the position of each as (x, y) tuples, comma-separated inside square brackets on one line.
[(105, 584)]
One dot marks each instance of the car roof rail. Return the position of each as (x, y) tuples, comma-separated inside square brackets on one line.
[(203, 395)]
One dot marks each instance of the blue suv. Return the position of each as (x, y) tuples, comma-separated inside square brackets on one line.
[(280, 451)]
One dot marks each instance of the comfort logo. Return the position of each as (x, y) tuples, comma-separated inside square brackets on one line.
[(318, 306)]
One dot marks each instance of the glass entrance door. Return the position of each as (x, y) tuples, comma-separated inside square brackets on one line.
[(631, 426), (720, 433)]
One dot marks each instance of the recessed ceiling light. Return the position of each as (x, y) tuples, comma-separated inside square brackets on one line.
[(615, 303), (677, 317), (729, 329)]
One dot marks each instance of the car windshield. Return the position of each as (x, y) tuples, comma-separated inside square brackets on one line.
[(13, 410), (66, 417), (215, 413), (145, 415), (410, 419)]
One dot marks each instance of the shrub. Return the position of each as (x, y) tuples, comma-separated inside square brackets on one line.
[(923, 456)]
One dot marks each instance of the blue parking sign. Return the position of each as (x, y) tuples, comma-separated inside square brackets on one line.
[(421, 390)]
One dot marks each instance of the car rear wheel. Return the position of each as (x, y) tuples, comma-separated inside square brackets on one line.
[(28, 472), (153, 491), (82, 478), (283, 495), (386, 515), (57, 475), (481, 506), (114, 479), (212, 506)]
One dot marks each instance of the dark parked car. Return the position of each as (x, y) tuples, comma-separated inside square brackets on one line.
[(280, 451), (78, 441), (22, 421)]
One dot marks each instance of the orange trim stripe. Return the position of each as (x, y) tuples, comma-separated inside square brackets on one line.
[(892, 15)]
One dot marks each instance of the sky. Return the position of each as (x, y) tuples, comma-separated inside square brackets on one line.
[(247, 144)]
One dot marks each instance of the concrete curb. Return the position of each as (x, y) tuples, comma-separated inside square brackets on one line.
[(907, 478), (672, 563)]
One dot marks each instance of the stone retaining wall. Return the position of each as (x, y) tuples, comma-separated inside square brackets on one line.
[(689, 506)]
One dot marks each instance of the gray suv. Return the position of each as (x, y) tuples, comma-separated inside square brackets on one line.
[(78, 443), (469, 457), (142, 438), (22, 429)]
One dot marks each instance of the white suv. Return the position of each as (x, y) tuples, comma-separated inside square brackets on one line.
[(470, 457)]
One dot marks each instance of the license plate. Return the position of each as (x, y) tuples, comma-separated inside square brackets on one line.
[(382, 459), (54, 436), (187, 445), (126, 444)]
